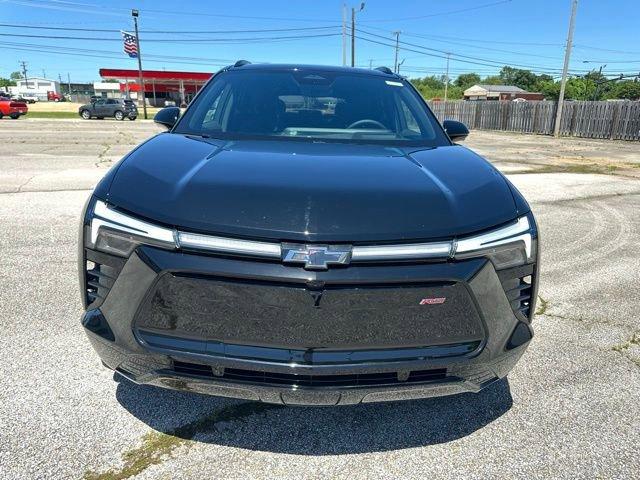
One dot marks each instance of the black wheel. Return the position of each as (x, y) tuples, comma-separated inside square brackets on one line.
[(14, 116), (86, 114), (132, 118), (118, 115), (1, 115)]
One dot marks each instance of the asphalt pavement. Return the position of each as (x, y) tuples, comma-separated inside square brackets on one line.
[(570, 408)]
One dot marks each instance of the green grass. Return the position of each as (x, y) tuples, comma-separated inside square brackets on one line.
[(156, 446), (52, 115)]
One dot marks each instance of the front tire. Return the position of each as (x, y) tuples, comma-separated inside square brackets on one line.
[(14, 116), (118, 115), (86, 114)]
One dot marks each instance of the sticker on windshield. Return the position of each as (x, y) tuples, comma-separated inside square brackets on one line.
[(395, 84)]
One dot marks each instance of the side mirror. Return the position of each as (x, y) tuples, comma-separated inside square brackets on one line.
[(167, 117), (457, 131)]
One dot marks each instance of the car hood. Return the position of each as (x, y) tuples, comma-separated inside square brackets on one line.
[(299, 191)]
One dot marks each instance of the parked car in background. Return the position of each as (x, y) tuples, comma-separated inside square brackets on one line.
[(30, 98), (55, 97), (12, 108), (117, 108), (24, 98)]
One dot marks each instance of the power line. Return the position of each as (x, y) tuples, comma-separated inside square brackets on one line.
[(476, 40), (177, 40), (114, 30), (622, 52), (455, 56), (450, 12), (121, 11), (119, 55)]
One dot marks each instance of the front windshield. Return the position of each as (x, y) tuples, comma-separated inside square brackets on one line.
[(311, 105)]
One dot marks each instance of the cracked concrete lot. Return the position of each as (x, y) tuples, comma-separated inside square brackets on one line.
[(570, 409)]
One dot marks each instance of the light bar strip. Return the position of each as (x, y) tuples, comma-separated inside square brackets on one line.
[(518, 231), (107, 217), (229, 245), (402, 252)]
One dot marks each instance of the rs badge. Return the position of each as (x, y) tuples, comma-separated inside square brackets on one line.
[(433, 300)]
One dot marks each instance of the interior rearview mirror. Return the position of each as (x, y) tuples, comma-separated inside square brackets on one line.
[(457, 131), (167, 117)]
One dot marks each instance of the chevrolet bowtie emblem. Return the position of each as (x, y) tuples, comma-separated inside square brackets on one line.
[(316, 257)]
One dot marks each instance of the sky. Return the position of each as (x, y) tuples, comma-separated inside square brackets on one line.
[(199, 36)]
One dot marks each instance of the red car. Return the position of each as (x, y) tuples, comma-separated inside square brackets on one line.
[(12, 108)]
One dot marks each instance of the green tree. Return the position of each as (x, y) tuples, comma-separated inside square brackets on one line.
[(524, 79), (467, 80), (432, 82), (627, 89), (6, 82), (492, 80), (15, 75), (549, 88), (580, 88)]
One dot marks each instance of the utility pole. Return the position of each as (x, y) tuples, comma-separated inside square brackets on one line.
[(567, 57), (44, 74), (371, 64), (344, 34), (399, 65), (353, 33), (24, 73), (395, 63), (446, 78), (68, 84), (134, 14)]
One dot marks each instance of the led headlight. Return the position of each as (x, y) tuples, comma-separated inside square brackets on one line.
[(113, 232), (506, 247)]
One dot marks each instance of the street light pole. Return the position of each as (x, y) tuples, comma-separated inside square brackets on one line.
[(567, 57), (353, 33), (446, 78), (134, 14), (344, 34), (395, 63)]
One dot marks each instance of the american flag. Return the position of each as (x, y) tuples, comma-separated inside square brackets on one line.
[(130, 46)]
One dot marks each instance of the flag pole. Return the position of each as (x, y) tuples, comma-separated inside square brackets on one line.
[(134, 14)]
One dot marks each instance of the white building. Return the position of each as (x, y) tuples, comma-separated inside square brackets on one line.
[(35, 86), (107, 89)]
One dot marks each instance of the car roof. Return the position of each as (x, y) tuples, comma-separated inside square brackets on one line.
[(293, 67)]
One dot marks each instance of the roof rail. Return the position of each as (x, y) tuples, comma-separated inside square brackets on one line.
[(386, 70), (241, 63)]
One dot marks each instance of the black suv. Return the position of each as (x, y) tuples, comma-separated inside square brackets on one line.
[(308, 235), (117, 108)]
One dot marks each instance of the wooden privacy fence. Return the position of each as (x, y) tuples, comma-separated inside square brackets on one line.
[(611, 120)]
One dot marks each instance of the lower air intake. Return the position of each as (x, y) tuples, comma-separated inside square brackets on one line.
[(315, 381)]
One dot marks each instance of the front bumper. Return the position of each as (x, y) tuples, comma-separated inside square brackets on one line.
[(256, 330)]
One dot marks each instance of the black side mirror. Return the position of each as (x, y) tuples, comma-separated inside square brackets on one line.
[(457, 131), (167, 117)]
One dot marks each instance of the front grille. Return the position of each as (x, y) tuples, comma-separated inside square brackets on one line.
[(338, 317), (517, 284), (310, 381)]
